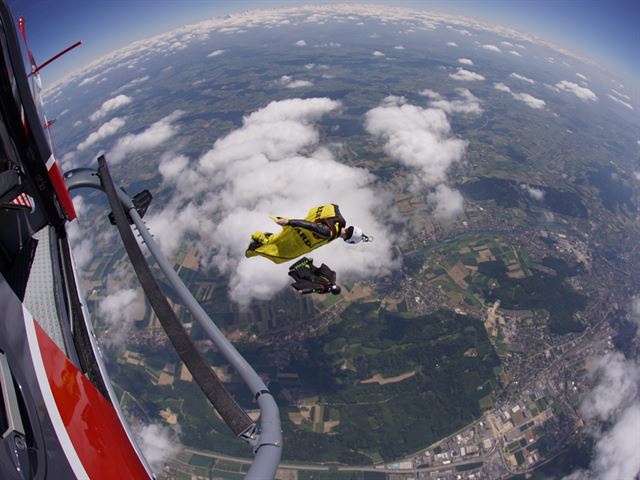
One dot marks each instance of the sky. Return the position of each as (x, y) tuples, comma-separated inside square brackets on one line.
[(606, 32)]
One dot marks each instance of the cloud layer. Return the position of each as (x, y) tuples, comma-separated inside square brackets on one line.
[(156, 134), (288, 82), (273, 165), (583, 93), (614, 401), (522, 77), (492, 48), (420, 138), (158, 444), (109, 106), (106, 130), (530, 100), (533, 192), (120, 309), (466, 75), (238, 23), (620, 101), (466, 103)]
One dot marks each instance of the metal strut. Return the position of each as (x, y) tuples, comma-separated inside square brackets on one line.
[(267, 444), (234, 416)]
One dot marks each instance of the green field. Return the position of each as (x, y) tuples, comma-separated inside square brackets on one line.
[(538, 291), (489, 280), (200, 461), (383, 422)]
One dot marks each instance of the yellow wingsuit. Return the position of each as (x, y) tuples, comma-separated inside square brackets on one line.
[(294, 241)]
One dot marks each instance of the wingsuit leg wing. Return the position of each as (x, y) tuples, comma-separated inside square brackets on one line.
[(311, 279), (326, 272)]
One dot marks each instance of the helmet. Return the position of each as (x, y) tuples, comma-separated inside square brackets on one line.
[(354, 235), (335, 289)]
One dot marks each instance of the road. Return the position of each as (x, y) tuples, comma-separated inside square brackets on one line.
[(409, 470), (246, 461)]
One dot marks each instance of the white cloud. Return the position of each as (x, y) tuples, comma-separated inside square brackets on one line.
[(274, 164), (137, 81), (621, 102), (533, 192), (176, 46), (493, 48), (508, 44), (513, 52), (465, 61), (449, 203), (612, 411), (582, 93), (433, 95), (522, 77), (466, 104), (452, 44), (82, 244), (530, 100), (413, 19), (109, 106), (328, 44), (132, 83), (621, 95), (172, 167), (583, 77), (419, 138), (301, 43), (399, 47), (466, 75), (215, 53), (637, 174), (377, 53), (158, 444), (106, 130), (119, 310), (288, 82), (158, 133), (88, 80)]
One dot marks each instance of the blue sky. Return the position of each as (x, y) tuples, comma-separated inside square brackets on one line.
[(606, 32)]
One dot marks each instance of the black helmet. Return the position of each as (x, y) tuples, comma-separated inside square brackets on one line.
[(335, 289)]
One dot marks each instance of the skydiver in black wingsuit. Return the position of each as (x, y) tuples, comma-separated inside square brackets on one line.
[(311, 279)]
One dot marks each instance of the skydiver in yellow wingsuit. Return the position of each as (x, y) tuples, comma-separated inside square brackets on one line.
[(322, 225)]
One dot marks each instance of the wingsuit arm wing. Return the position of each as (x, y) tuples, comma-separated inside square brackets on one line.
[(319, 228)]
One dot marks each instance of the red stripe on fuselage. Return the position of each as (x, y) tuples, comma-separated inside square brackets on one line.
[(61, 190), (91, 422)]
